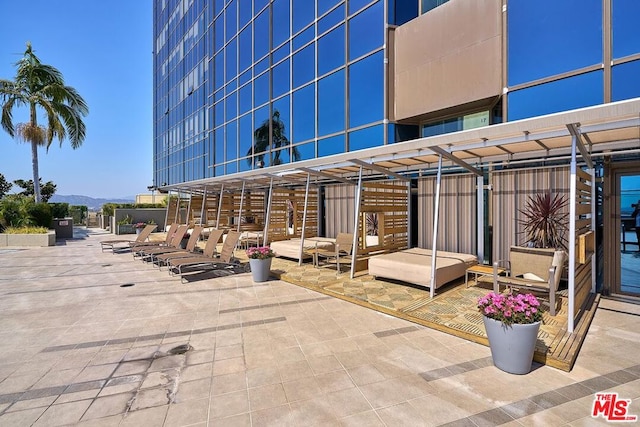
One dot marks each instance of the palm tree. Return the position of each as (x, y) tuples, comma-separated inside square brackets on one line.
[(278, 140), (41, 86)]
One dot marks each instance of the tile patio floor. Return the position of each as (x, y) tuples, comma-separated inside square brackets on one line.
[(76, 348)]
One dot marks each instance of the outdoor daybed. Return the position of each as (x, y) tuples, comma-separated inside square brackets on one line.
[(291, 248), (414, 266)]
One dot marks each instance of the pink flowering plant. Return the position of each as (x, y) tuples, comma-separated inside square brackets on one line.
[(260, 252), (510, 309), (140, 225)]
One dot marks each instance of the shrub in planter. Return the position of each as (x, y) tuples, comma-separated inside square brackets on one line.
[(59, 210), (40, 214)]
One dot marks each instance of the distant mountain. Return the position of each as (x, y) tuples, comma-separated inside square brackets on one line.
[(92, 203)]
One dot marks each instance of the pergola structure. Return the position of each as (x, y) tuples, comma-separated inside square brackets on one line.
[(603, 130)]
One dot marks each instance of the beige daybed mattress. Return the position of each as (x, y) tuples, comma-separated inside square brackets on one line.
[(414, 266), (291, 248)]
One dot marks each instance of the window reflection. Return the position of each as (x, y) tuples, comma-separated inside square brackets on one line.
[(231, 20), (366, 83), (624, 81), (244, 48), (231, 138), (245, 135), (542, 43), (332, 145), (366, 138), (331, 50), (307, 151), (304, 113), (231, 107), (331, 104), (325, 5), (566, 94), (304, 66), (281, 28), (281, 78), (245, 98), (231, 54), (261, 35), (303, 14), (261, 88), (331, 19), (366, 31), (626, 37)]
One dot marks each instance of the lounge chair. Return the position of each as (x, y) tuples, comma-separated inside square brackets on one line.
[(210, 250), (226, 259), (536, 270), (142, 251), (341, 248), (190, 247), (166, 242), (142, 237)]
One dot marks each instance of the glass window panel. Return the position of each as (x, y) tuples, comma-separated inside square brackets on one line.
[(356, 5), (366, 83), (218, 64), (331, 19), (218, 28), (245, 135), (625, 83), (219, 144), (218, 95), (306, 151), (331, 51), (231, 107), (218, 116), (399, 133), (366, 31), (261, 89), (245, 12), (303, 14), (304, 114), (219, 5), (304, 66), (566, 94), (332, 145), (219, 170), (281, 78), (261, 66), (231, 140), (232, 85), (245, 48), (259, 4), (325, 5), (244, 77), (428, 5), (543, 43), (231, 56), (261, 35), (331, 103), (303, 38), (283, 156), (281, 122), (402, 11), (231, 168), (366, 138), (245, 98), (281, 53), (281, 22), (231, 20), (626, 37)]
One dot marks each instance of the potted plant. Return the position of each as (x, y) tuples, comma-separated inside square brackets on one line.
[(260, 262), (544, 221), (139, 226), (512, 323)]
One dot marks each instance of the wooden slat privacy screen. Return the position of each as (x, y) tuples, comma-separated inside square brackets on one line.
[(287, 210)]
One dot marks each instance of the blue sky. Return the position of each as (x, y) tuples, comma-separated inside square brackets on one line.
[(104, 50)]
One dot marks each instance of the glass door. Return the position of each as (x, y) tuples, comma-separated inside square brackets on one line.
[(629, 214)]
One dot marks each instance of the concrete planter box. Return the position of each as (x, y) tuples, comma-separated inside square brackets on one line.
[(125, 229), (48, 239)]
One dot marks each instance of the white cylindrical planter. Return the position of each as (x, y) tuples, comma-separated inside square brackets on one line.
[(260, 269), (512, 346)]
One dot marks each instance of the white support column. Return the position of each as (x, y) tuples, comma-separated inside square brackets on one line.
[(265, 237), (177, 217), (304, 218), (572, 238), (436, 215), (219, 207), (189, 208), (241, 203), (480, 218), (354, 250), (592, 172), (204, 206), (409, 211), (166, 214)]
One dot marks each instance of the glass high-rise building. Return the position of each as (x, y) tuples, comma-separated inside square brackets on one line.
[(247, 84)]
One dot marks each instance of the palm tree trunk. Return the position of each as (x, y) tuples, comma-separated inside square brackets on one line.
[(34, 157)]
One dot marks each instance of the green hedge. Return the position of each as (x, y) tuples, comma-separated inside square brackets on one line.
[(109, 208)]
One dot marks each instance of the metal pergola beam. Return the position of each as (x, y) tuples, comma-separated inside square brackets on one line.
[(327, 175), (454, 159), (436, 217), (354, 248), (304, 219), (380, 169)]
